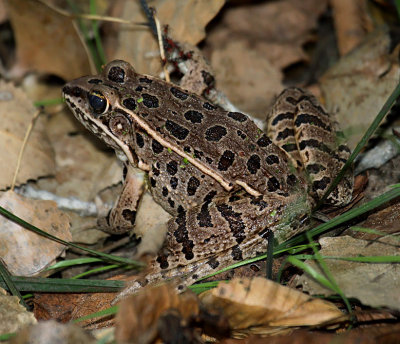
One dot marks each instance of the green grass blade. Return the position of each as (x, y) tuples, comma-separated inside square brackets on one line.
[(64, 285), (105, 312), (7, 280), (374, 125), (97, 38)]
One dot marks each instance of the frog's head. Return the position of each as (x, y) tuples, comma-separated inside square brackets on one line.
[(96, 103)]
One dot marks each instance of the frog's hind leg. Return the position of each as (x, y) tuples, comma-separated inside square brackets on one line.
[(221, 232)]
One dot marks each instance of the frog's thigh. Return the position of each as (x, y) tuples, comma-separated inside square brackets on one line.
[(122, 216)]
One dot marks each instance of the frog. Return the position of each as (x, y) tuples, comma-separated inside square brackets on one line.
[(227, 184)]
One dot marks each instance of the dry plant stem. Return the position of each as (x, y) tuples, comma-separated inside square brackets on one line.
[(83, 41), (87, 16), (21, 152), (349, 17), (162, 51)]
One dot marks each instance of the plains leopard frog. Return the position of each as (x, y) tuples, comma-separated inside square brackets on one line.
[(226, 183)]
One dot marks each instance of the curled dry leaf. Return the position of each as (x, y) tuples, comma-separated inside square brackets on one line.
[(27, 253), (186, 20), (46, 40), (16, 112), (139, 315), (260, 303)]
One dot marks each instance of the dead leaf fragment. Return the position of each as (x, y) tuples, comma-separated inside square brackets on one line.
[(139, 315), (27, 253), (16, 112), (260, 303), (53, 332), (363, 281), (13, 315), (46, 40), (186, 20)]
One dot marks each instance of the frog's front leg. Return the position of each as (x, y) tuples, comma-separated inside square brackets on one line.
[(220, 232), (121, 217)]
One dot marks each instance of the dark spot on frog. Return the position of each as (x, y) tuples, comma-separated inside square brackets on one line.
[(213, 263), (163, 261), (237, 116), (181, 235), (171, 203), (204, 217), (258, 201), (264, 141), (198, 154), (209, 106), (139, 89), (291, 180), (144, 114), (177, 93), (241, 134), (285, 134), (209, 160), (215, 133), (233, 198), (139, 140), (321, 184), (176, 130), (95, 81), (164, 191), (157, 147), (254, 164), (290, 147), (187, 149), (193, 116), (129, 215), (226, 160), (272, 159), (116, 74), (150, 101), (173, 182), (192, 185), (234, 220), (129, 103), (172, 167), (282, 117), (315, 168), (195, 276), (236, 253), (305, 118), (273, 184), (153, 182), (145, 80), (155, 171)]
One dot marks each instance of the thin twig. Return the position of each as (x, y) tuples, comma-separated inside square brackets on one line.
[(162, 51), (21, 152)]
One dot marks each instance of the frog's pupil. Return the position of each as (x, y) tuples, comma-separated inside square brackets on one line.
[(97, 102)]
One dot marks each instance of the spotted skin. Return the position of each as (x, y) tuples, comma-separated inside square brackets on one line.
[(224, 181)]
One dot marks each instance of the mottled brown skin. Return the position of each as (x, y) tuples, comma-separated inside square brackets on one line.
[(226, 184)]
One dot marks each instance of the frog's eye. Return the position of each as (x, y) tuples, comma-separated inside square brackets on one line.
[(98, 102)]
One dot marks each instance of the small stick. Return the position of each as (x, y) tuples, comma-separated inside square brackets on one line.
[(162, 51), (21, 152)]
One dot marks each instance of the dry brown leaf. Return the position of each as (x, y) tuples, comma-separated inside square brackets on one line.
[(27, 253), (13, 315), (138, 316), (363, 281), (260, 303), (358, 85), (249, 80), (16, 112), (186, 20), (53, 332), (46, 40), (276, 29)]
